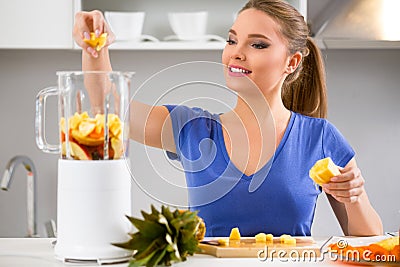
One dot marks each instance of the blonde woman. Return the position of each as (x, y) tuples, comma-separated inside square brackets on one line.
[(248, 167)]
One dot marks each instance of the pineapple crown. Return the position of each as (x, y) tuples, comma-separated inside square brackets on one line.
[(164, 237)]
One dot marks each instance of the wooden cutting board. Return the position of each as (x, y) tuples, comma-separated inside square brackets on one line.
[(248, 248)]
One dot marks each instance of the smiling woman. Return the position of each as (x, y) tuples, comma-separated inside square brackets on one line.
[(249, 167)]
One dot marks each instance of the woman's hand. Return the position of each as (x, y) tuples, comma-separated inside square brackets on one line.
[(348, 186), (87, 22)]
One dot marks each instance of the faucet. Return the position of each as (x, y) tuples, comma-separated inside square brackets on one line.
[(31, 188)]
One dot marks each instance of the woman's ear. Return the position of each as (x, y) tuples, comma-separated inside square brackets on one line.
[(294, 61)]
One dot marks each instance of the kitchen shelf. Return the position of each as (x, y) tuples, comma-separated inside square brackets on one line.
[(220, 18), (167, 45)]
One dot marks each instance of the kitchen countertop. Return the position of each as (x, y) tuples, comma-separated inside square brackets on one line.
[(35, 252)]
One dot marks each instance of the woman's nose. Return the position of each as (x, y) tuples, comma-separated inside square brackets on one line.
[(238, 55)]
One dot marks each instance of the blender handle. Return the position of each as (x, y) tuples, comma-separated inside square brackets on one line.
[(41, 141)]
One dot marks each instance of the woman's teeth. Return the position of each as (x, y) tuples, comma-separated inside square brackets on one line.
[(239, 70)]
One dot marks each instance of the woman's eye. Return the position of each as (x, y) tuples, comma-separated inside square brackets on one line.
[(260, 45), (230, 41)]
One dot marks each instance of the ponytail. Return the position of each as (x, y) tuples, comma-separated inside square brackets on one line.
[(304, 91)]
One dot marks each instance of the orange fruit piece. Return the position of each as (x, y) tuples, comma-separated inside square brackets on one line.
[(235, 234), (97, 42), (86, 127), (323, 170), (76, 151)]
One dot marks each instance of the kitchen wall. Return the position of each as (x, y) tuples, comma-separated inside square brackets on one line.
[(364, 91)]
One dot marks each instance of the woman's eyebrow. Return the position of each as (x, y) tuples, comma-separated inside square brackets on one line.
[(251, 35), (258, 35)]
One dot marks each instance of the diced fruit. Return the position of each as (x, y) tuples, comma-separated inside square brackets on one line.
[(75, 120), (85, 140), (269, 238), (96, 42), (116, 145), (235, 234), (79, 152), (86, 127), (283, 237), (223, 241), (323, 170), (62, 125), (97, 135), (289, 241), (76, 151), (88, 133), (261, 238)]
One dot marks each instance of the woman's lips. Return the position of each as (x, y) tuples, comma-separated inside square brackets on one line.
[(238, 71)]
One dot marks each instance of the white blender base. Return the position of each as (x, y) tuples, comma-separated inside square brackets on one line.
[(93, 199)]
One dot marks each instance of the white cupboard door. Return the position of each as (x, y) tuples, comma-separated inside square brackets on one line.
[(36, 24)]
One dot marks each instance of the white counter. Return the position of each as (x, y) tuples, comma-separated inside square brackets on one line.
[(38, 252)]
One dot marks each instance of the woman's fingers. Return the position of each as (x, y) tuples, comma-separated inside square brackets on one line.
[(97, 22), (87, 22), (347, 186)]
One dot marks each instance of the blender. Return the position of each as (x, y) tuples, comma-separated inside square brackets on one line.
[(94, 182)]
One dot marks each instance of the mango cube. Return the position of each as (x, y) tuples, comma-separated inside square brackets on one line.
[(261, 238), (289, 241), (223, 241), (235, 234), (323, 170), (269, 238), (283, 237)]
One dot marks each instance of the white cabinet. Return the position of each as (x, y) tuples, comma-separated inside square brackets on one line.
[(220, 17), (36, 24), (47, 24)]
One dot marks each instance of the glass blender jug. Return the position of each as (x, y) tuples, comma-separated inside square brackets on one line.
[(93, 176)]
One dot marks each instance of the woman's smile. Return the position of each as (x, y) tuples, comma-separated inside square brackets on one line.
[(238, 71)]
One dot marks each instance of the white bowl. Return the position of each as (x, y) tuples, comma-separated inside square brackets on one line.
[(127, 26), (188, 25)]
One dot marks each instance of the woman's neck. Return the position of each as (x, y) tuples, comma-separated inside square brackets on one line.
[(258, 111)]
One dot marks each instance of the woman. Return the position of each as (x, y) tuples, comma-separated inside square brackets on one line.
[(248, 168)]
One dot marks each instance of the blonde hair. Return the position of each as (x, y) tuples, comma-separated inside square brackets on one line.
[(304, 90)]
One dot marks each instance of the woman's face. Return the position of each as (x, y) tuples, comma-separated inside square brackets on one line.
[(255, 49)]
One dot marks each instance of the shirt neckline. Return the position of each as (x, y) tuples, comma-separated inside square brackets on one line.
[(221, 142)]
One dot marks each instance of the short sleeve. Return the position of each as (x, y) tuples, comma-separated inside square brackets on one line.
[(336, 146), (183, 119)]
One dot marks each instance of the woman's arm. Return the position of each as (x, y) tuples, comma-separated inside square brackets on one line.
[(350, 203), (150, 125)]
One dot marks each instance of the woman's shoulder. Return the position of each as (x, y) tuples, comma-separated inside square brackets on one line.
[(186, 113), (314, 125), (310, 121)]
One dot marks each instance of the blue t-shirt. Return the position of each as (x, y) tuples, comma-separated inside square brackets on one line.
[(280, 198)]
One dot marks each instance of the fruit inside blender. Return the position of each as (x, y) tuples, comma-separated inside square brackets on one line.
[(86, 137)]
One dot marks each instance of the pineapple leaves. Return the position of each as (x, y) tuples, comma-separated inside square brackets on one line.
[(164, 237), (147, 228)]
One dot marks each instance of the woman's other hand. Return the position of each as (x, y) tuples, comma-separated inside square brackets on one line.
[(87, 22), (348, 186)]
